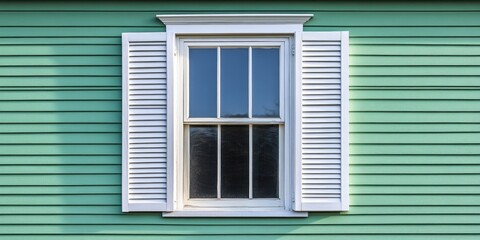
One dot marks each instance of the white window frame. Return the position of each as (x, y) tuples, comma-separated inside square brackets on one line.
[(254, 25), (230, 42)]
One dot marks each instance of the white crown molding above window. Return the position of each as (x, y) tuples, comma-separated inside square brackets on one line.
[(226, 19)]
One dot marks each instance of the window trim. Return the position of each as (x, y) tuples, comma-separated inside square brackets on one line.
[(225, 25), (218, 42)]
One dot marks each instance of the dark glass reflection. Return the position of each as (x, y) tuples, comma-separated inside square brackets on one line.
[(265, 82), (234, 82), (203, 161), (265, 161), (203, 82), (234, 148)]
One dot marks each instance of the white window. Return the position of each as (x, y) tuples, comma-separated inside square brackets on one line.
[(234, 122), (235, 115)]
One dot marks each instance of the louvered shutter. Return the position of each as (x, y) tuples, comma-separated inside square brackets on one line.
[(322, 170), (144, 171)]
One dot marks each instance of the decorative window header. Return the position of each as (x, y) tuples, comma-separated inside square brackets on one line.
[(186, 19)]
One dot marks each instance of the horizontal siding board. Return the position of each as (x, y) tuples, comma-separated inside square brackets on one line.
[(57, 149), (58, 159), (59, 190), (60, 128), (430, 105), (245, 6), (320, 219), (62, 71), (433, 95), (414, 117), (409, 50), (60, 180), (237, 236), (415, 138), (412, 148), (206, 230), (418, 40), (418, 61), (60, 106), (60, 117), (60, 95), (60, 82), (414, 71), (414, 190), (415, 82), (414, 128), (409, 179), (64, 169), (73, 31), (415, 159), (124, 19), (97, 199), (59, 60), (61, 41), (402, 31), (60, 50), (416, 169)]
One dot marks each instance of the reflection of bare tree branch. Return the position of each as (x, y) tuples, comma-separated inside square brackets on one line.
[(203, 161), (235, 151), (266, 160), (235, 141), (270, 112)]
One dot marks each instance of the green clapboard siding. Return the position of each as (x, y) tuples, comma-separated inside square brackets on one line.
[(415, 121)]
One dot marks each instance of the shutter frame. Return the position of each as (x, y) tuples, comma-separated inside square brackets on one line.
[(313, 196), (152, 194)]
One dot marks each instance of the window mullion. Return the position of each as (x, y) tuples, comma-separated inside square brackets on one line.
[(219, 162), (218, 82), (250, 142), (250, 82), (219, 132), (250, 161)]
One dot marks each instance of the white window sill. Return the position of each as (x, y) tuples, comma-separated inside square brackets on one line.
[(236, 213)]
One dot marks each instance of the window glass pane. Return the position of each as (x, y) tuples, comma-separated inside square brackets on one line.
[(265, 82), (203, 82), (203, 161), (265, 161), (234, 148), (234, 82)]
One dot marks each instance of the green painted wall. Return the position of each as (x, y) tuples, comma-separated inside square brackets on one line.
[(415, 122)]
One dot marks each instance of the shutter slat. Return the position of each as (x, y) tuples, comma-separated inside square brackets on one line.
[(149, 190), (323, 181), (154, 59), (137, 86), (147, 54), (147, 186), (136, 165), (134, 76), (144, 122), (159, 155)]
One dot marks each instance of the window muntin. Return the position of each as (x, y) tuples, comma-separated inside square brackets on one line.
[(249, 124)]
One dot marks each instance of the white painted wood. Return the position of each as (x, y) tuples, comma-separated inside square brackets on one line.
[(256, 19), (232, 204), (272, 25), (239, 212), (322, 127), (345, 122), (144, 122)]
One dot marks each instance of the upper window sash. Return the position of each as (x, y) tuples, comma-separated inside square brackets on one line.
[(229, 42)]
